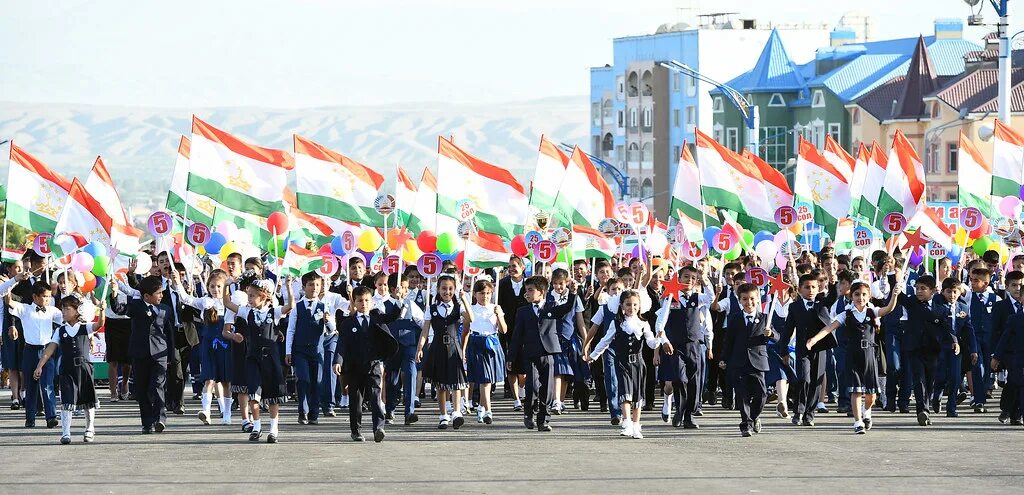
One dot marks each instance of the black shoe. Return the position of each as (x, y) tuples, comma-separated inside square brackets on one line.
[(544, 427), (796, 419), (389, 416), (314, 421), (677, 420), (616, 420), (757, 425), (517, 408), (255, 435), (272, 438), (664, 418), (378, 436), (952, 414), (698, 412), (412, 418), (867, 423), (807, 421), (604, 407), (904, 410), (528, 422), (890, 409), (179, 410), (690, 425), (961, 397), (745, 433), (52, 423), (935, 405), (196, 397), (844, 410), (146, 430), (358, 437), (1015, 422), (922, 418), (159, 427), (330, 413), (1003, 418), (65, 440), (302, 418), (457, 422), (15, 405), (247, 427), (859, 430), (979, 408)]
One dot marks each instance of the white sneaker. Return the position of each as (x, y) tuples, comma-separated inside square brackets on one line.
[(627, 429), (225, 420), (204, 416), (636, 431), (480, 415)]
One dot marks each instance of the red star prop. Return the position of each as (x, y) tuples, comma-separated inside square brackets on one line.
[(672, 287), (778, 285), (914, 240)]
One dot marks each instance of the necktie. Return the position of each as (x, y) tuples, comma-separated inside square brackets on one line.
[(750, 321), (363, 322), (536, 309), (445, 310), (40, 309)]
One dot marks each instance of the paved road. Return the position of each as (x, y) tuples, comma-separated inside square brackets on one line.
[(582, 454)]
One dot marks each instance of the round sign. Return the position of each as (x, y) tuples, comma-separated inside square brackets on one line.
[(532, 238), (791, 247), (894, 223), (757, 276), (465, 229), (621, 212), (935, 250), (679, 234), (330, 265), (639, 214), (65, 261), (41, 245), (970, 218), (724, 242), (785, 216), (804, 213), (546, 251), (625, 229), (376, 263), (160, 223), (1004, 227), (392, 264), (429, 265), (348, 241), (465, 210), (562, 237), (473, 271), (609, 227), (384, 203), (695, 250), (862, 237), (198, 233)]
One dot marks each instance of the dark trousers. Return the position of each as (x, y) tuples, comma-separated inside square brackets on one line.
[(751, 395), (307, 382), (402, 378), (703, 379), (1009, 401), (686, 393), (177, 371), (922, 369), (365, 385), (33, 387), (150, 377), (808, 390), (831, 378), (330, 387), (899, 376), (194, 361), (947, 378), (597, 372), (981, 375), (539, 391)]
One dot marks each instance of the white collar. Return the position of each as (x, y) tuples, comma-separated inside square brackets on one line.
[(72, 330), (633, 326), (749, 315)]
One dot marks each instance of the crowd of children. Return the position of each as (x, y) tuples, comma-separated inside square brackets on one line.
[(864, 332)]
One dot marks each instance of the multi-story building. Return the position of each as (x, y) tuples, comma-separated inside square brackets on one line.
[(643, 112)]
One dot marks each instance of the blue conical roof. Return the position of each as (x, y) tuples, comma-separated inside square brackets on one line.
[(774, 70)]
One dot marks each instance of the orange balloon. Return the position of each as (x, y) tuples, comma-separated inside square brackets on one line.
[(797, 228), (90, 282), (397, 237)]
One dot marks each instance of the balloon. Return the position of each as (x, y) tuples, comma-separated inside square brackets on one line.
[(1007, 205), (782, 237), (781, 261), (95, 249), (397, 237), (1004, 253), (447, 243), (748, 239), (916, 257), (242, 237), (763, 235), (325, 249), (338, 246), (369, 240), (143, 264), (981, 230), (656, 242), (98, 291), (797, 228), (201, 250), (276, 246), (228, 249), (216, 242), (641, 253), (411, 254), (710, 233), (1021, 194), (981, 245), (519, 246), (277, 223), (100, 266), (955, 253), (226, 229), (766, 249), (89, 282), (427, 241), (460, 260), (81, 262), (960, 238), (733, 253)]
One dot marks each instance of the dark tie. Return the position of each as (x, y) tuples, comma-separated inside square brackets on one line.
[(363, 322), (750, 322), (40, 309), (536, 309)]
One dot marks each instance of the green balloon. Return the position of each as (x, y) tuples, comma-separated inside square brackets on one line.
[(563, 256), (733, 253), (446, 243), (981, 245), (278, 244), (748, 240), (100, 266)]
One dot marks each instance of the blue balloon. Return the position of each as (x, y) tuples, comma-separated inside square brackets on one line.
[(710, 233), (954, 254), (763, 235), (216, 242), (95, 249), (337, 246)]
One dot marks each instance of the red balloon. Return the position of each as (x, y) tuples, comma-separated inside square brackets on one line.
[(460, 260), (980, 231), (277, 223), (325, 249), (427, 241), (519, 246)]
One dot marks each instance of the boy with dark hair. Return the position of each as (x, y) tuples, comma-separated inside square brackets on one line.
[(807, 316), (401, 368), (745, 356), (1009, 351), (981, 301), (957, 321), (308, 324), (37, 320), (1002, 323)]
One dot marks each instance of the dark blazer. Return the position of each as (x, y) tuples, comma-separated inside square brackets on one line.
[(1009, 350), (746, 350), (924, 330), (805, 323), (964, 330), (358, 348), (509, 301), (1001, 312), (533, 337), (152, 330)]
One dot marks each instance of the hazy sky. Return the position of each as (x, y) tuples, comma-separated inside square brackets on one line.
[(187, 53)]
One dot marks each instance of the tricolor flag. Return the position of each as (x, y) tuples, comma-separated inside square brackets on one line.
[(732, 182), (839, 158), (873, 182), (405, 197), (974, 178), (241, 176), (501, 205), (551, 165), (84, 215), (485, 250), (35, 193), (685, 204), (303, 224), (590, 243), (779, 193), (860, 174), (903, 191), (199, 208), (12, 255), (331, 184), (932, 227), (584, 197), (818, 183), (101, 187), (424, 212), (299, 261), (1007, 162)]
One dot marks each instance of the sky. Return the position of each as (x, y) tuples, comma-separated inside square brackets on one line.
[(299, 54)]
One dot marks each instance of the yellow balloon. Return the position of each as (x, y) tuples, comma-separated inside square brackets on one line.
[(1004, 253), (227, 250), (411, 252), (369, 240), (201, 250), (960, 236)]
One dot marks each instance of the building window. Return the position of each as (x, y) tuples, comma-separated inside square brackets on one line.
[(675, 81), (646, 84), (632, 118), (951, 155), (622, 119), (647, 118), (634, 187), (732, 138), (676, 151), (818, 100), (606, 112), (951, 197), (935, 110), (774, 146), (776, 100), (716, 133), (620, 155), (608, 143), (691, 86), (633, 85), (855, 116), (716, 105), (595, 113), (620, 83), (648, 153), (932, 159), (675, 117), (634, 153), (833, 130), (691, 115), (648, 189)]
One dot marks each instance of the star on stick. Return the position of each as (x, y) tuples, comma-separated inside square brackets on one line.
[(915, 240), (778, 285), (672, 287)]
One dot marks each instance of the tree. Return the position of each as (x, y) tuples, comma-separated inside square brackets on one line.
[(16, 234)]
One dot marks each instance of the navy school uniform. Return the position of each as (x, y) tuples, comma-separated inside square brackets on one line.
[(860, 332), (150, 346), (949, 374), (981, 310), (214, 352), (684, 329), (364, 343), (568, 362), (534, 341), (716, 377), (604, 318), (746, 355), (485, 359), (896, 376), (777, 369), (803, 322), (401, 368), (1009, 401), (628, 339), (264, 368), (1009, 351), (445, 362), (923, 339), (307, 355), (75, 377)]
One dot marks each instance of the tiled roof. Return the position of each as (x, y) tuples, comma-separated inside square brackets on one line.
[(977, 91), (774, 70)]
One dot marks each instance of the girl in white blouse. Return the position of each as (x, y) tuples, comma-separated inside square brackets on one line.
[(485, 360)]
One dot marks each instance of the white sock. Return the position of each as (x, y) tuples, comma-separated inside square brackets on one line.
[(273, 425), (90, 420), (225, 408), (207, 398), (522, 392), (256, 426), (867, 413), (858, 423), (667, 407), (65, 422)]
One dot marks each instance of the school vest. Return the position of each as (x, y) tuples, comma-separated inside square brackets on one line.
[(262, 337), (981, 313), (567, 323), (446, 329), (404, 330), (74, 351), (307, 330), (625, 343), (683, 326)]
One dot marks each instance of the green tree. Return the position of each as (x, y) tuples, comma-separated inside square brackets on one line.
[(15, 233)]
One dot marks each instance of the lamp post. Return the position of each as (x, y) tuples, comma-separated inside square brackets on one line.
[(1003, 69)]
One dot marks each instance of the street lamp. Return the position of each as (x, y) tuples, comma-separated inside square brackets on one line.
[(1003, 69), (751, 116)]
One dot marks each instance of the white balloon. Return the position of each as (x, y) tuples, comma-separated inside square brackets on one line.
[(144, 264), (656, 243)]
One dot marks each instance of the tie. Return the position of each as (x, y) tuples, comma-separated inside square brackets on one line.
[(810, 305), (363, 322), (1017, 308), (40, 309), (536, 309), (750, 321), (445, 310)]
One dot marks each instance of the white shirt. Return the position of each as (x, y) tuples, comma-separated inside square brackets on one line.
[(7, 286), (880, 290), (333, 302), (632, 326), (857, 314), (260, 314), (310, 306), (443, 309), (408, 309), (485, 322), (704, 302), (90, 329), (37, 326), (517, 287)]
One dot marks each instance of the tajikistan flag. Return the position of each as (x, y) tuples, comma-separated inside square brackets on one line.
[(12, 255), (732, 182), (932, 227), (424, 211), (686, 204), (485, 250), (590, 243), (974, 178), (1007, 162), (817, 182), (234, 173), (500, 201), (302, 224), (551, 165), (35, 193), (584, 197), (331, 184), (199, 208), (860, 174), (84, 215), (838, 157), (779, 193), (903, 190), (874, 179), (299, 261), (100, 186), (405, 197)]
